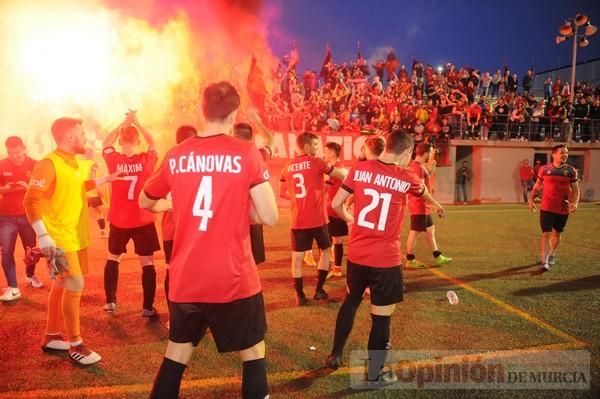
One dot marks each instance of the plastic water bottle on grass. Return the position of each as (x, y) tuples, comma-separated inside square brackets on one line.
[(452, 297)]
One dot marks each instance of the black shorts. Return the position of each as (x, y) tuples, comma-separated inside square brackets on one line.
[(168, 248), (235, 326), (420, 222), (337, 227), (552, 221), (385, 283), (257, 241), (145, 240), (302, 239), (94, 202)]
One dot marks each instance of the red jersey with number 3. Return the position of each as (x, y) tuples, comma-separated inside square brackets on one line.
[(304, 177), (380, 191), (557, 187), (416, 203), (124, 211), (210, 180)]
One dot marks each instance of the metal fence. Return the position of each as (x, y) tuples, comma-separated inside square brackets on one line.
[(535, 129)]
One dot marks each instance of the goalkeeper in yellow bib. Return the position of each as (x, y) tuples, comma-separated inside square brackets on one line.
[(56, 206)]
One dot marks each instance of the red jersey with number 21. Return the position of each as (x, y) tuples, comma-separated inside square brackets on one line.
[(304, 177), (210, 180), (380, 192), (124, 211)]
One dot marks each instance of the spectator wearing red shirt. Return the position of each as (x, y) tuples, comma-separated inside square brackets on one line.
[(15, 171), (127, 220), (218, 184), (380, 188), (526, 175), (560, 198), (473, 119)]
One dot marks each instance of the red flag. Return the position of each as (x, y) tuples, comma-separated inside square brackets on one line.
[(324, 71), (257, 91)]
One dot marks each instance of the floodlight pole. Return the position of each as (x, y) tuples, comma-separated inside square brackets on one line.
[(573, 63)]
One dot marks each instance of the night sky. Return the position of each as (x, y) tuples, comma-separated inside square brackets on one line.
[(483, 34)]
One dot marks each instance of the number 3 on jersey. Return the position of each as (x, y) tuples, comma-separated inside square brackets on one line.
[(386, 198), (203, 202), (299, 180)]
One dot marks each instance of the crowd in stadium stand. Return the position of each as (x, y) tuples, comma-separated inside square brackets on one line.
[(435, 104)]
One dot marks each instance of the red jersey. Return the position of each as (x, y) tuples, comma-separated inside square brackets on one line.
[(333, 185), (526, 173), (11, 202), (380, 191), (124, 210), (416, 203), (210, 179), (557, 187), (305, 185)]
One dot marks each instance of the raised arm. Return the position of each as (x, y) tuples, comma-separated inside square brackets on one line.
[(110, 140)]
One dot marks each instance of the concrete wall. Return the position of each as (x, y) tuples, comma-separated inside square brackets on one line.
[(495, 167)]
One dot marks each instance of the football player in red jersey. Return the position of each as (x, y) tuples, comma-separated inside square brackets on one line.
[(127, 220), (302, 182), (338, 228), (420, 212), (380, 187), (218, 184), (559, 199)]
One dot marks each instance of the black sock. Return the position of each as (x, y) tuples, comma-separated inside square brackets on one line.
[(30, 270), (254, 379), (378, 344), (299, 286), (168, 380), (436, 253), (343, 325), (111, 280), (149, 285), (338, 254), (321, 277), (410, 256), (101, 224), (167, 285)]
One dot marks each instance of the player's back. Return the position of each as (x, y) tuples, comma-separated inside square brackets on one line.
[(380, 191), (416, 204), (210, 180), (124, 210), (304, 176)]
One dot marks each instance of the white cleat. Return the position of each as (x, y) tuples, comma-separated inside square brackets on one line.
[(55, 343), (82, 355), (10, 294), (34, 282)]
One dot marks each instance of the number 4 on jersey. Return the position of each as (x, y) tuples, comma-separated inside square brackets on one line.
[(203, 202)]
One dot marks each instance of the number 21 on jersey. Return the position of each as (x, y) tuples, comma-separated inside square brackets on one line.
[(376, 198)]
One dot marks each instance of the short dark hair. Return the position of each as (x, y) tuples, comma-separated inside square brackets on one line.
[(219, 100), (62, 125), (558, 147), (334, 147), (305, 138), (184, 132), (398, 141), (375, 144), (129, 134), (243, 131), (14, 141), (422, 148)]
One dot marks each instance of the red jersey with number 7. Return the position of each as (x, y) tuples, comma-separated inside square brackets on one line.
[(210, 179), (124, 211), (380, 192), (305, 180)]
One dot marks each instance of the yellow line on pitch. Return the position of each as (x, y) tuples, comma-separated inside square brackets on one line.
[(509, 308)]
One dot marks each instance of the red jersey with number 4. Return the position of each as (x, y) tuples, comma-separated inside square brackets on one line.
[(124, 211), (380, 191), (416, 203), (333, 185), (210, 180), (557, 187), (304, 177)]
